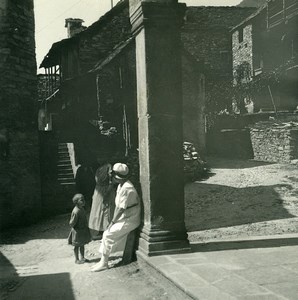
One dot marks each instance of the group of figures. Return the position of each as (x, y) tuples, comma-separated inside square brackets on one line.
[(115, 211)]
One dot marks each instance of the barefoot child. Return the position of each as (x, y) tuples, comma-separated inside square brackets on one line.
[(79, 235)]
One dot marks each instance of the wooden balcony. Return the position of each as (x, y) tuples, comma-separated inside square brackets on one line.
[(280, 11)]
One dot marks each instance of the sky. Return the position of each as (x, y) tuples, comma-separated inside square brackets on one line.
[(50, 17)]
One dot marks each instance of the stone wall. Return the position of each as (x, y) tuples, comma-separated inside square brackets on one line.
[(242, 48), (275, 143), (262, 136), (19, 164), (206, 36), (102, 37)]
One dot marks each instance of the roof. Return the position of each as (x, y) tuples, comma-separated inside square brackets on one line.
[(117, 50), (52, 57), (223, 17), (215, 17), (250, 18)]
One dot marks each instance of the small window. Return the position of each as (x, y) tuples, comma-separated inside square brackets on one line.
[(240, 35), (224, 55)]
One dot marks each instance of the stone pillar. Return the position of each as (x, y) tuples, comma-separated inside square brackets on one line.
[(156, 26)]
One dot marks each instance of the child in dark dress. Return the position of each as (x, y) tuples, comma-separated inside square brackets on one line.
[(79, 235)]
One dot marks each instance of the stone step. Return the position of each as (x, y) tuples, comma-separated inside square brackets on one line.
[(64, 167), (63, 159), (65, 171), (65, 176), (67, 183), (66, 180), (63, 154), (62, 149)]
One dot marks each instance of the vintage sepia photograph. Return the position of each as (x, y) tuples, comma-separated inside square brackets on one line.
[(149, 149)]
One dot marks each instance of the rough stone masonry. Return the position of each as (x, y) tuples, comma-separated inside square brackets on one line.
[(19, 159)]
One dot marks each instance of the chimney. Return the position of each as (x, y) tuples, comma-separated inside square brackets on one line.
[(74, 26)]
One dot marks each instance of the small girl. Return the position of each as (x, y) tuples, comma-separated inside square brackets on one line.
[(79, 235)]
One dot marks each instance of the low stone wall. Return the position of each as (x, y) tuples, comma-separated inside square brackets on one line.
[(275, 142), (230, 143)]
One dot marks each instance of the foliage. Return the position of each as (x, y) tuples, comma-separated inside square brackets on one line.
[(247, 87), (272, 77), (229, 97)]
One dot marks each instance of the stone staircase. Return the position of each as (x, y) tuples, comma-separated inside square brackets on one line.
[(65, 171)]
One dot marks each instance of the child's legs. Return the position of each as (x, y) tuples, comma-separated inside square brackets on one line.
[(82, 251), (76, 252)]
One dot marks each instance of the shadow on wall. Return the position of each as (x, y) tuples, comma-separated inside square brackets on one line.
[(209, 206), (17, 283)]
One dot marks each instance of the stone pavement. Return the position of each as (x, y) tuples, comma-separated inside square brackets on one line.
[(36, 263), (256, 268)]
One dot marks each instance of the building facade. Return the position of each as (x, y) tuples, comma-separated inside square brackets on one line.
[(207, 52), (265, 52), (19, 162)]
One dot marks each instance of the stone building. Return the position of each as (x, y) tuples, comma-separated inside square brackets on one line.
[(206, 35), (265, 86), (20, 200), (105, 52), (99, 81), (265, 49)]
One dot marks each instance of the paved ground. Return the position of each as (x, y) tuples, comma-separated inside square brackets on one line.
[(37, 263), (258, 268)]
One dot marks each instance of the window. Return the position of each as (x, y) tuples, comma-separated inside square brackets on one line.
[(240, 35), (224, 55)]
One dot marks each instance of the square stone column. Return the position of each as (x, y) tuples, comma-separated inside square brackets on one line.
[(156, 26)]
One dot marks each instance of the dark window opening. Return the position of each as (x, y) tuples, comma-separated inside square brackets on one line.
[(240, 35)]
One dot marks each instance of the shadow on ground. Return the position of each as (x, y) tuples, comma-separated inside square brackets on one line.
[(219, 163), (244, 244), (52, 228), (210, 206), (18, 283)]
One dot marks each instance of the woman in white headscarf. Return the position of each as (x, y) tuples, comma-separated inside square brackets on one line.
[(127, 217)]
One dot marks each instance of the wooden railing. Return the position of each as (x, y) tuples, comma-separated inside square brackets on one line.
[(278, 11)]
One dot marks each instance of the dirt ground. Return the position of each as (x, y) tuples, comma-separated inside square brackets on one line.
[(239, 199), (37, 263), (243, 199)]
